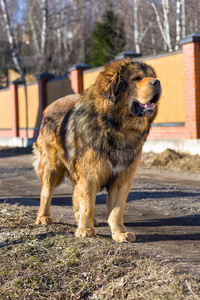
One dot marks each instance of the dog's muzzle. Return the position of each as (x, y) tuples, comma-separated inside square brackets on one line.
[(146, 110)]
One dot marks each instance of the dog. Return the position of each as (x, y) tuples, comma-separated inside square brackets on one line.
[(96, 139)]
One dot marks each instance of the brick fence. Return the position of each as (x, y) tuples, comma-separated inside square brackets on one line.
[(191, 67), (186, 128)]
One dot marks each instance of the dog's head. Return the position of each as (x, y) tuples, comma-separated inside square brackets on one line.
[(131, 84)]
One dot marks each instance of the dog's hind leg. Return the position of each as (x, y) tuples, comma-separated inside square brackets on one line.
[(51, 178), (51, 172)]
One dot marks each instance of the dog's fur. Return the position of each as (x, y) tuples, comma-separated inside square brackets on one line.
[(96, 140)]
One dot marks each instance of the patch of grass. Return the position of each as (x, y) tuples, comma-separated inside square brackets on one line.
[(50, 263)]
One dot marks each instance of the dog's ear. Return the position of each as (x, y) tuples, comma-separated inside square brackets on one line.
[(117, 87)]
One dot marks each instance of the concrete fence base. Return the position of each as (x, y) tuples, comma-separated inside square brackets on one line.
[(16, 142), (179, 145)]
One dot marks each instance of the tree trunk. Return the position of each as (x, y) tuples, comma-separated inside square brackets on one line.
[(165, 6), (136, 27), (183, 19), (11, 40), (164, 29), (178, 28), (35, 40), (44, 27)]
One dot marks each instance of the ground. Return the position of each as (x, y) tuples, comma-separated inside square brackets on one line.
[(39, 262)]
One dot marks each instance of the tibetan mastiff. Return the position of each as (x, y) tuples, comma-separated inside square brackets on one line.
[(96, 139)]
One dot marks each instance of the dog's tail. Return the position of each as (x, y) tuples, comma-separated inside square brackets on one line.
[(36, 157)]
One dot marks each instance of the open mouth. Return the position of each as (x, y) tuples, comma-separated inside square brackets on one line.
[(144, 110)]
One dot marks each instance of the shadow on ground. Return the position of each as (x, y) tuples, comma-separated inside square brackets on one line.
[(66, 200), (9, 152), (149, 238)]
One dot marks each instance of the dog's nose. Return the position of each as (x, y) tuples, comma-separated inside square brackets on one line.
[(155, 82)]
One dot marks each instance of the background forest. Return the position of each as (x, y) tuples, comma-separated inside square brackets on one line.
[(52, 35)]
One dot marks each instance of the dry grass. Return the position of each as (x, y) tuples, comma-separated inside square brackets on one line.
[(50, 263), (172, 160)]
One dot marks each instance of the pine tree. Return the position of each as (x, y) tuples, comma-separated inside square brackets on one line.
[(108, 38)]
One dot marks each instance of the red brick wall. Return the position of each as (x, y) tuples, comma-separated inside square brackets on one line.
[(168, 133), (192, 88), (77, 81)]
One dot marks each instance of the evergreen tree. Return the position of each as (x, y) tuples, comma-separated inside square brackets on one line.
[(108, 38)]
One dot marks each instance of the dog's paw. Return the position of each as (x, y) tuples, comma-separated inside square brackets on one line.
[(44, 220), (124, 237), (85, 232)]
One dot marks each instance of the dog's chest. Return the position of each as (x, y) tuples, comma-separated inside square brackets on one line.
[(117, 168), (119, 153), (120, 159)]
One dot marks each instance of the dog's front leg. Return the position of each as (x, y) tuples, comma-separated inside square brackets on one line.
[(116, 198), (84, 204)]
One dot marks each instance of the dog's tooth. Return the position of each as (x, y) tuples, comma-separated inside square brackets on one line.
[(145, 106)]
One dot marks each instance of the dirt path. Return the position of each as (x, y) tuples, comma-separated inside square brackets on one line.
[(162, 208)]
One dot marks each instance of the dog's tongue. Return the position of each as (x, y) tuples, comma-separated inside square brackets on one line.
[(148, 105), (142, 110)]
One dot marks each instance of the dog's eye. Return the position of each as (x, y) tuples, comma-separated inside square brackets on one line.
[(136, 79)]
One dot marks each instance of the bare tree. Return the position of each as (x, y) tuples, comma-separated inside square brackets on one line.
[(60, 31), (11, 40), (136, 27), (164, 28), (178, 27), (183, 19), (32, 21), (44, 27)]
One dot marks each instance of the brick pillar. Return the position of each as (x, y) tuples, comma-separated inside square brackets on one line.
[(77, 77), (191, 60), (14, 106), (42, 79)]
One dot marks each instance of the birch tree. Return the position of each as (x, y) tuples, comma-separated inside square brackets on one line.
[(32, 21), (11, 40), (178, 27), (136, 27), (164, 27), (44, 27), (59, 22), (183, 19)]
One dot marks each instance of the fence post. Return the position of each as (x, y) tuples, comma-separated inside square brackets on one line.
[(77, 77), (42, 79), (191, 63), (128, 54), (15, 106)]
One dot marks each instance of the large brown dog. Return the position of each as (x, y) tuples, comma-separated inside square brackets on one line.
[(96, 140)]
